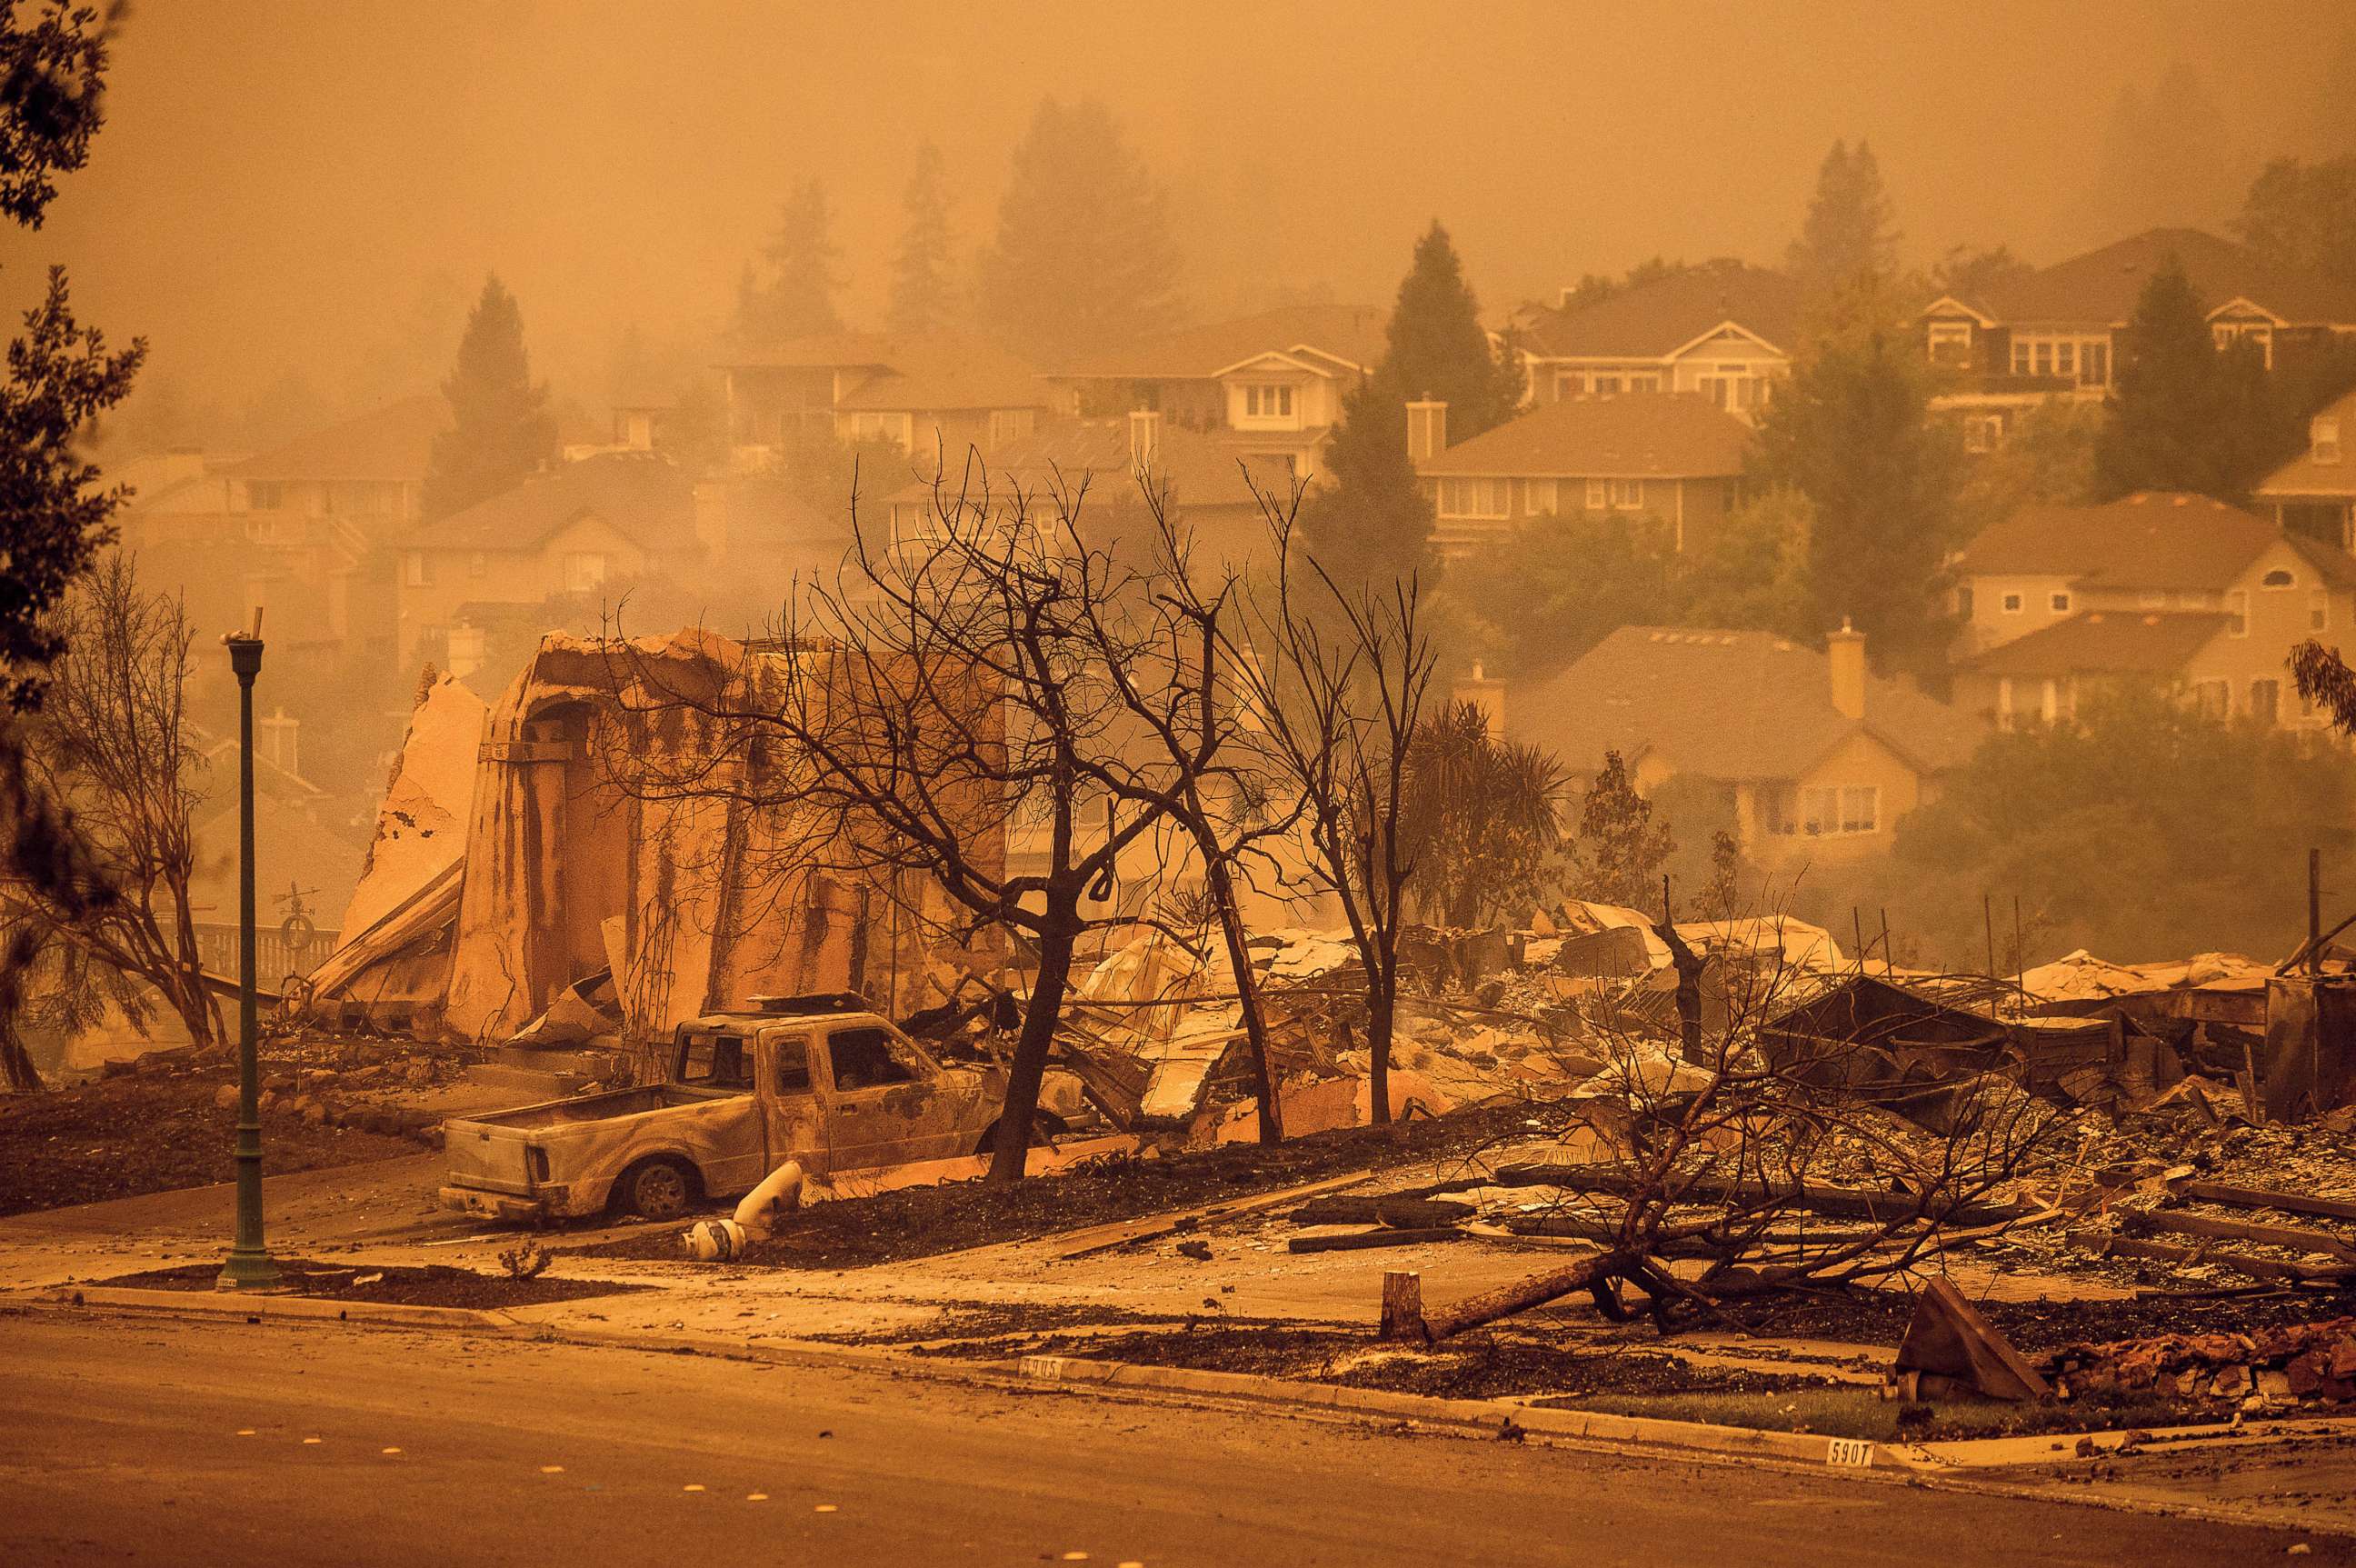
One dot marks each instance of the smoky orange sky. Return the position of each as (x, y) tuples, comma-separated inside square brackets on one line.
[(302, 187)]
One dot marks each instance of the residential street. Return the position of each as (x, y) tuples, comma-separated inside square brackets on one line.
[(127, 1440)]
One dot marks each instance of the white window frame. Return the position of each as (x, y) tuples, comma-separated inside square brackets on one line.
[(2237, 609), (1541, 498), (2318, 609), (417, 570), (2058, 602), (1627, 495), (1950, 335), (2013, 604), (1269, 400), (585, 570), (2323, 440), (1481, 498), (1599, 494)]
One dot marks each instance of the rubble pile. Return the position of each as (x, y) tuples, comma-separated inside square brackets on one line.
[(2313, 1363)]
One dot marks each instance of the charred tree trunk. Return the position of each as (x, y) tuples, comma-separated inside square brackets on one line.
[(1011, 1149), (1231, 928), (1382, 1011)]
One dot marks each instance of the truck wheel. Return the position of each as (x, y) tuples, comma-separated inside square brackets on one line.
[(659, 1189)]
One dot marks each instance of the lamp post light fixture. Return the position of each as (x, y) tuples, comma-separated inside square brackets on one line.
[(249, 1267)]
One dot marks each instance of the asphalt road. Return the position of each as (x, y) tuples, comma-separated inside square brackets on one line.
[(130, 1440)]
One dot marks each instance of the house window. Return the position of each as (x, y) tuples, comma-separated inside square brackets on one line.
[(1599, 494), (1982, 432), (1780, 803), (2318, 609), (1627, 495), (583, 570), (2279, 578), (2095, 363), (2265, 699), (894, 427), (264, 494), (1539, 498), (1473, 497), (2060, 603), (2065, 359), (2237, 613), (1644, 383), (1846, 809), (1951, 343), (1567, 385), (2323, 438), (2013, 604), (1268, 401), (2004, 702), (1605, 386), (417, 570), (2212, 699)]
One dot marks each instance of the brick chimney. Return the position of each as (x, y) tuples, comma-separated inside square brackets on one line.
[(1845, 654), (1488, 695), (1427, 431), (1144, 437)]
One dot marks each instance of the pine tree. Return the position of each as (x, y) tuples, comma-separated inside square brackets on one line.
[(1847, 255), (796, 297), (1369, 521), (1852, 434), (923, 295), (1082, 256), (2166, 416), (502, 430), (1438, 349)]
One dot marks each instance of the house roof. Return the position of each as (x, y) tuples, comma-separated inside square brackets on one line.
[(948, 373), (2156, 540), (2303, 475), (641, 494), (2151, 642), (1635, 435), (1353, 335), (1726, 705), (2103, 286), (395, 442), (1657, 318), (1200, 471)]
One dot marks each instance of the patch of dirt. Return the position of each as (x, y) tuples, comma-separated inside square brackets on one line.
[(153, 1132), (433, 1285), (917, 1222), (971, 1321)]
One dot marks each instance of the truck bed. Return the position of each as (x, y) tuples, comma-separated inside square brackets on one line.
[(593, 1106)]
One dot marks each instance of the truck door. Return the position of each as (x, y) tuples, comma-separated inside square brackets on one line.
[(882, 1089), (724, 1132), (789, 1101)]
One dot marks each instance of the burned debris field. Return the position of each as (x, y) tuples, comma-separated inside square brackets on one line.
[(1365, 783)]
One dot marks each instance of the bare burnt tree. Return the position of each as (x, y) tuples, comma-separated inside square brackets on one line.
[(109, 757), (1773, 1161), (958, 707), (1337, 678), (1222, 806)]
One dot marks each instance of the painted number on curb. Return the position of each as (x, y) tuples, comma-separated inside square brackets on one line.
[(1847, 1451)]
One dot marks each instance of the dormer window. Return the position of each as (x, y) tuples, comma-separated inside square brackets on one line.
[(1951, 343), (2323, 438), (1269, 401), (2279, 578)]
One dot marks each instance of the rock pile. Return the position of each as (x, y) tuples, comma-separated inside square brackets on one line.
[(2306, 1361)]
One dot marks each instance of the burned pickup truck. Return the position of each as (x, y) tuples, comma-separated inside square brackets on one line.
[(818, 1079)]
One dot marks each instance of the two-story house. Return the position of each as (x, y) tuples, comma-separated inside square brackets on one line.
[(1676, 457), (1723, 331), (2315, 492), (2174, 589), (939, 394), (1269, 386), (2054, 332), (1818, 758), (566, 533)]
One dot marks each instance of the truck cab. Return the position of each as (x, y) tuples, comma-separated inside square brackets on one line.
[(822, 1079)]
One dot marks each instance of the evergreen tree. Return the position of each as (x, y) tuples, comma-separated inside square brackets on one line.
[(1368, 521), (1852, 434), (1437, 348), (1082, 256), (2302, 216), (2163, 433), (794, 298), (1847, 254), (502, 430), (923, 295)]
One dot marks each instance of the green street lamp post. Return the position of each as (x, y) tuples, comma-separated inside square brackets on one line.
[(249, 1266)]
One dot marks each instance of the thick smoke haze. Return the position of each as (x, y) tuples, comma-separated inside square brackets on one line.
[(312, 192)]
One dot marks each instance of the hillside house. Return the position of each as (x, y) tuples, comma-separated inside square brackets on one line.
[(2175, 589), (1723, 332), (1269, 386), (2315, 493), (1675, 458), (1817, 758), (936, 394)]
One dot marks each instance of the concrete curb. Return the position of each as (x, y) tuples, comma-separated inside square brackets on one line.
[(202, 1304), (1494, 1417)]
